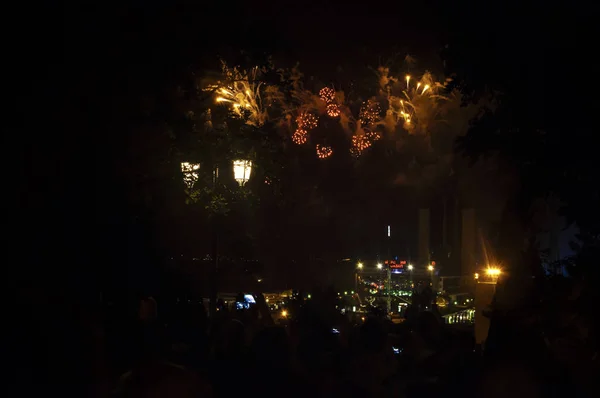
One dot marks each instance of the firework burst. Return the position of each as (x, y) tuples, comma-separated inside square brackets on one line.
[(299, 136), (306, 122), (373, 135), (327, 94), (369, 113), (323, 151), (333, 110), (419, 103), (359, 144), (241, 91), (414, 103)]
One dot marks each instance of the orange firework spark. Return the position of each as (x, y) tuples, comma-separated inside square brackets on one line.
[(333, 110), (299, 136), (369, 113), (373, 135), (327, 94), (323, 151), (359, 144), (307, 121)]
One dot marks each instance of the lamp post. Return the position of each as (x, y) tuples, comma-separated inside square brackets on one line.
[(485, 289), (190, 173), (359, 267), (431, 269), (389, 271), (241, 173), (493, 273)]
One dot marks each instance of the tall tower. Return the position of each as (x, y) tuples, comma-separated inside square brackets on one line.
[(424, 236), (468, 256)]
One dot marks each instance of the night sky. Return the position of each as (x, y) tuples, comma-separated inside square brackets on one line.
[(97, 57)]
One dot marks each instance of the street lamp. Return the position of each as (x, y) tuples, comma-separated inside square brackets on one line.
[(493, 273), (242, 170), (359, 267), (241, 173), (190, 173), (430, 268), (379, 266)]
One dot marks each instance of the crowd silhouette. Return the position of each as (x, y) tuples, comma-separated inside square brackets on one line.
[(317, 352)]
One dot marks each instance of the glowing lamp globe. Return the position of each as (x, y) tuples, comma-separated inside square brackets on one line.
[(242, 170), (190, 173)]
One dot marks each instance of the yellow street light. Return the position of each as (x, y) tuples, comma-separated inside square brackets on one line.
[(190, 173), (284, 314), (430, 268), (359, 265), (379, 266), (410, 267), (495, 272), (242, 170)]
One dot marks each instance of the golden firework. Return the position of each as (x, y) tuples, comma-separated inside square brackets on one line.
[(418, 102), (414, 102), (241, 91)]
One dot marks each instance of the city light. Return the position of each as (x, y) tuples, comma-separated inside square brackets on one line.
[(476, 275), (379, 266), (410, 267), (430, 268), (359, 265), (284, 314), (493, 271)]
